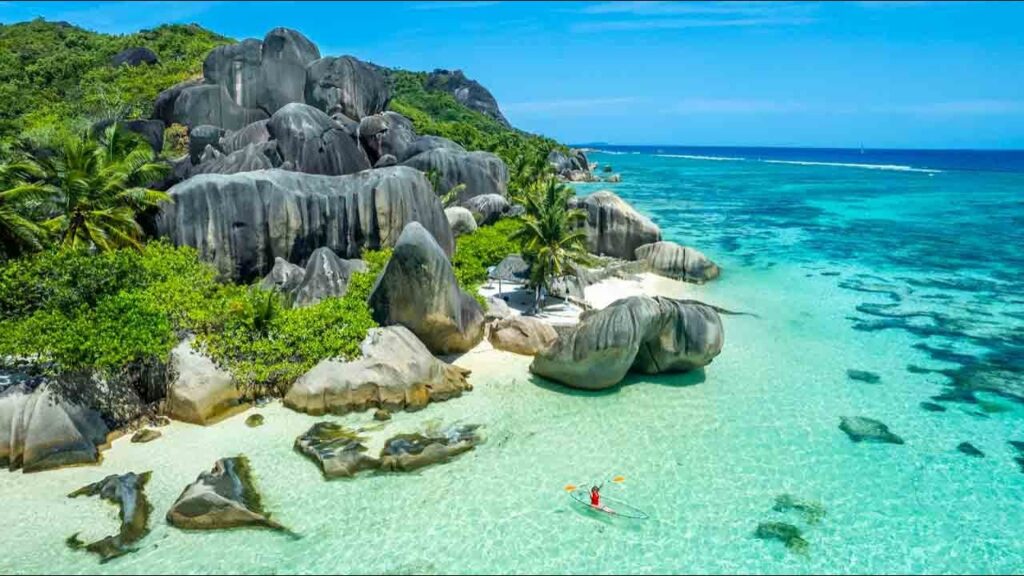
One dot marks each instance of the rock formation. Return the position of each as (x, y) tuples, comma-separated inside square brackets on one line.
[(675, 261), (488, 208), (134, 57), (225, 497), (468, 92), (326, 276), (861, 429), (407, 452), (418, 290), (346, 85), (481, 172), (337, 450), (522, 335), (201, 393), (128, 492), (613, 227), (461, 220), (310, 142)]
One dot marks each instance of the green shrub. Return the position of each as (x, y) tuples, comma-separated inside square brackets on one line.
[(485, 247)]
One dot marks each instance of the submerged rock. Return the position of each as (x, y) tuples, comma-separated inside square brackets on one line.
[(640, 333), (812, 511), (970, 450), (861, 429), (396, 372), (337, 450), (522, 335), (1019, 446), (932, 407), (145, 435), (224, 497), (407, 452), (201, 393), (613, 227), (863, 376), (254, 420), (418, 290), (786, 533), (128, 492), (675, 261)]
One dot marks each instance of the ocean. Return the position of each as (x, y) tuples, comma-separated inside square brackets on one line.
[(887, 285)]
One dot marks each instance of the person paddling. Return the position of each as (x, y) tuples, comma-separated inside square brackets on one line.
[(595, 496)]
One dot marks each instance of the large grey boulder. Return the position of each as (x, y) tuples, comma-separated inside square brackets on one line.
[(395, 372), (418, 290), (461, 220), (423, 143), (481, 172), (225, 497), (488, 208), (41, 429), (386, 133), (520, 334), (326, 276), (254, 133), (242, 222), (313, 143), (408, 452), (639, 333), (339, 451), (675, 261), (211, 104), (199, 137), (128, 492), (134, 57), (573, 166), (469, 93), (346, 85), (163, 107), (253, 157), (284, 277), (613, 227), (201, 393)]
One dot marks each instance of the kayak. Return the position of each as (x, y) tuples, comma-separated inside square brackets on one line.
[(609, 506)]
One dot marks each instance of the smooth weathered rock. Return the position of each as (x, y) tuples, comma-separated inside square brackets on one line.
[(512, 268), (387, 133), (613, 227), (461, 220), (572, 166), (284, 277), (242, 222), (199, 137), (639, 333), (337, 450), (201, 393), (418, 290), (522, 335), (346, 85), (675, 261), (488, 208), (145, 435), (395, 372), (134, 57), (209, 104), (313, 143), (254, 133), (326, 276), (254, 420), (469, 93), (381, 415), (497, 309), (253, 157), (422, 144), (481, 172), (861, 429), (163, 107), (128, 492), (225, 497), (385, 161), (41, 429), (407, 452)]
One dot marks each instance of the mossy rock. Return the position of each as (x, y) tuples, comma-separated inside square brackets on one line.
[(254, 420), (812, 511), (145, 435), (788, 534)]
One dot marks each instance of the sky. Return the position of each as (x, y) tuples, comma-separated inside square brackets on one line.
[(843, 74)]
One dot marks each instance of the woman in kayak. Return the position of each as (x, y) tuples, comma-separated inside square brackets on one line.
[(595, 497)]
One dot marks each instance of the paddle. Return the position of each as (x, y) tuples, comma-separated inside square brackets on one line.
[(616, 479)]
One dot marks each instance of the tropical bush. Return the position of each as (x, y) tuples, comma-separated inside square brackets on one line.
[(485, 247)]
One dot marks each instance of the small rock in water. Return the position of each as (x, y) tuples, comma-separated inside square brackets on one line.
[(337, 450), (813, 511), (382, 415), (1019, 446), (407, 452), (933, 407), (145, 435), (224, 497), (863, 376), (861, 429), (970, 450), (128, 492), (254, 420), (786, 533), (913, 369)]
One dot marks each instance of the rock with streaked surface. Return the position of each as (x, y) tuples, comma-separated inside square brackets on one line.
[(201, 393), (520, 334), (224, 497), (679, 262), (284, 277), (340, 452), (460, 220), (310, 142), (408, 452), (488, 208), (326, 276), (481, 172), (127, 491), (346, 85), (613, 227)]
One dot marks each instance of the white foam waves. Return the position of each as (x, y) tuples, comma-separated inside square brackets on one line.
[(890, 167)]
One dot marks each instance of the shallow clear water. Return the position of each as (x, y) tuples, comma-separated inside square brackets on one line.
[(847, 268)]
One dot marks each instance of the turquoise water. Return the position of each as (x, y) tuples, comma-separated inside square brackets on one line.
[(914, 276)]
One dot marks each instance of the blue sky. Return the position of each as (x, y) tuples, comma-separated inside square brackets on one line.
[(881, 74)]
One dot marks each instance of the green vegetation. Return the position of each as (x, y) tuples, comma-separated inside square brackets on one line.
[(485, 247), (56, 79), (552, 241)]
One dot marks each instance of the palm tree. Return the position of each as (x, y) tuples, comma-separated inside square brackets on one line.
[(526, 175), (18, 233), (98, 187), (553, 243)]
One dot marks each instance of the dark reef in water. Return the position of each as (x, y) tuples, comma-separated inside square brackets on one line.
[(863, 376), (970, 450)]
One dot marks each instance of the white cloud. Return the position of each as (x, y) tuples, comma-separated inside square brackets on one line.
[(570, 106), (956, 108), (683, 23)]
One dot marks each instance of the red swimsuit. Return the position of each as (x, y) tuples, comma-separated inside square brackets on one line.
[(595, 498)]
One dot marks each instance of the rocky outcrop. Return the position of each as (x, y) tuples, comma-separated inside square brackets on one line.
[(127, 491), (209, 104), (284, 277), (346, 85), (572, 166), (640, 333), (201, 393), (254, 133), (613, 227), (488, 208), (309, 141), (242, 222), (339, 451), (861, 429), (199, 137), (679, 262), (134, 57), (407, 452), (522, 335), (497, 309), (384, 134), (395, 372), (41, 429), (469, 93), (145, 436), (418, 290), (163, 107), (422, 144), (461, 220), (253, 157), (225, 497), (788, 534), (326, 276), (480, 172)]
